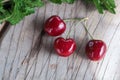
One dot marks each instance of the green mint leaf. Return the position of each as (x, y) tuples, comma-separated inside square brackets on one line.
[(98, 5), (69, 1), (56, 1), (103, 5), (14, 11), (112, 3), (62, 1), (109, 7)]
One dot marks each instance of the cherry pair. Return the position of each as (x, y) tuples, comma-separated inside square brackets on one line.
[(55, 26)]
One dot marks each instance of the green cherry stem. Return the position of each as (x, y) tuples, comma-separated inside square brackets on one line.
[(74, 19), (85, 26), (69, 31)]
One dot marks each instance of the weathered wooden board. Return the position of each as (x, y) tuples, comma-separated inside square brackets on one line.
[(27, 53)]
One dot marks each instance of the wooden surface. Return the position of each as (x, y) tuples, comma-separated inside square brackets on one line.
[(26, 53)]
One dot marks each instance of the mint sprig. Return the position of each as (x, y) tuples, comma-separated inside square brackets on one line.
[(14, 11), (102, 5), (62, 1)]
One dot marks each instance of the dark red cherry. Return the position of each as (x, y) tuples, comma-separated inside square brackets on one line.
[(95, 49), (64, 47), (54, 26)]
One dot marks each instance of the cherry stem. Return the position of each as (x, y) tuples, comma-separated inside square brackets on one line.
[(74, 19), (69, 32), (85, 26)]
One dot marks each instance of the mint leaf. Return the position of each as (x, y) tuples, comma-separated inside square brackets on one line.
[(56, 1), (102, 5), (110, 7), (14, 11), (62, 1), (69, 1), (98, 5)]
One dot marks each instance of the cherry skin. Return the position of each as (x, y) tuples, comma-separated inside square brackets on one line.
[(54, 26), (64, 47), (95, 50)]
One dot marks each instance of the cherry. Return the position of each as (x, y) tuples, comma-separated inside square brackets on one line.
[(54, 26), (64, 47), (95, 49)]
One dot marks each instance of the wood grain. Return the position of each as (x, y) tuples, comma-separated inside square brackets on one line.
[(27, 53)]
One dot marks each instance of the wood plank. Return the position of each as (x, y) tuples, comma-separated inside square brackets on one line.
[(27, 53)]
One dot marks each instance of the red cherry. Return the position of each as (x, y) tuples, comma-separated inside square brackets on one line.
[(64, 47), (96, 49), (55, 26)]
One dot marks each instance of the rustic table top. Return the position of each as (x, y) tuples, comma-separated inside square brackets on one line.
[(26, 53)]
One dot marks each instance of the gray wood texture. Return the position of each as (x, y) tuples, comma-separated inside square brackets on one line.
[(27, 53)]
